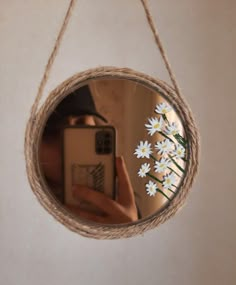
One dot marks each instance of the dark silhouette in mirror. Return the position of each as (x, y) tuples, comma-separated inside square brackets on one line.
[(78, 109)]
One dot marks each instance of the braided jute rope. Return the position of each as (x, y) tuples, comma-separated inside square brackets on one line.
[(39, 116)]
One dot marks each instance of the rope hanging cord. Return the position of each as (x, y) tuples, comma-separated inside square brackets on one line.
[(59, 40), (52, 57)]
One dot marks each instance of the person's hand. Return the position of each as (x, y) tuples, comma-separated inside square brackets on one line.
[(123, 210)]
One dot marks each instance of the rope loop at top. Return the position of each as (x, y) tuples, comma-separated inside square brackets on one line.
[(52, 57)]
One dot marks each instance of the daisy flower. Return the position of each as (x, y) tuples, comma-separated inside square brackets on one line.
[(169, 179), (145, 168), (163, 108), (143, 150), (151, 188), (172, 129), (164, 147), (179, 151), (154, 125), (162, 165)]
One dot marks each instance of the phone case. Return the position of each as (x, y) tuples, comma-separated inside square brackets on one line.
[(89, 159)]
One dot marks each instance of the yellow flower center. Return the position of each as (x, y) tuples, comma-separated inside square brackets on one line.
[(156, 126), (143, 150), (168, 180), (162, 165)]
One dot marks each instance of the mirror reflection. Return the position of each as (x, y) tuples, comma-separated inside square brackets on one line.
[(113, 151)]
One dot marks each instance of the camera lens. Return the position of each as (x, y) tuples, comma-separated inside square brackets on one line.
[(107, 142), (99, 150), (107, 150), (103, 144), (99, 142)]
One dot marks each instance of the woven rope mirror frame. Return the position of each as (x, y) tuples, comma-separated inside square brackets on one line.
[(36, 124)]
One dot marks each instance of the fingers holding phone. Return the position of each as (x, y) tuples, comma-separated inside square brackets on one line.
[(122, 210), (90, 172)]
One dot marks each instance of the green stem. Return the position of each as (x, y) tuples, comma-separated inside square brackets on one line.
[(164, 135), (176, 164), (164, 194), (168, 167), (171, 191), (153, 157), (182, 138), (180, 141), (165, 118), (153, 177), (174, 171)]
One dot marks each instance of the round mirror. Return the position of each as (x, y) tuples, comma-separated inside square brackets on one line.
[(113, 151)]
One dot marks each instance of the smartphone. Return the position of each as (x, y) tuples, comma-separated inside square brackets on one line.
[(89, 160)]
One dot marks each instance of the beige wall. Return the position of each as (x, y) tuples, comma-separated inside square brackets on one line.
[(198, 246)]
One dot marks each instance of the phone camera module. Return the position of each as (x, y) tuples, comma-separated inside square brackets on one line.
[(103, 144)]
